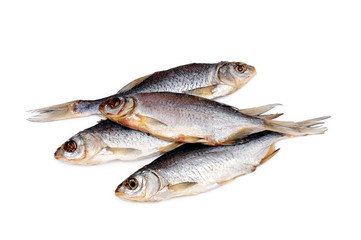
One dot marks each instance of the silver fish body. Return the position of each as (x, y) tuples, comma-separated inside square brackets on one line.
[(194, 168), (206, 80), (108, 141), (190, 119)]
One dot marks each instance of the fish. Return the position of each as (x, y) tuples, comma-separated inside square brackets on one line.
[(191, 119), (200, 79), (195, 168), (108, 141)]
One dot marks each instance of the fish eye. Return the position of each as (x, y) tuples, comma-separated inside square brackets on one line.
[(241, 68), (70, 146), (113, 102), (132, 183)]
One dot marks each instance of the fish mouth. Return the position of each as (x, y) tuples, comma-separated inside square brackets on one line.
[(58, 155), (252, 71), (117, 192), (121, 194)]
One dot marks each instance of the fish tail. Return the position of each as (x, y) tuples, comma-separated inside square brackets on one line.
[(303, 128), (73, 109)]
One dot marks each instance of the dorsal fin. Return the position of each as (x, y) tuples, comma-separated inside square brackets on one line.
[(258, 110), (134, 83), (270, 116)]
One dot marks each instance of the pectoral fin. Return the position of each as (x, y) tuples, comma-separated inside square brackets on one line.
[(181, 186), (123, 151), (190, 139), (148, 121), (202, 92)]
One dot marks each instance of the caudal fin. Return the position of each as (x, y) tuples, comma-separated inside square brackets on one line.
[(74, 109), (303, 128)]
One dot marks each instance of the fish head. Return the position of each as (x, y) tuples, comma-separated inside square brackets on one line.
[(116, 107), (142, 186), (79, 149), (235, 74)]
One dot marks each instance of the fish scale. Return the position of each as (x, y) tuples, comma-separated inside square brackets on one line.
[(200, 79), (193, 77), (191, 119), (111, 142), (108, 141), (195, 168)]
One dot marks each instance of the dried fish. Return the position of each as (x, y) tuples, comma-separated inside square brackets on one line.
[(206, 80), (190, 119), (108, 141), (195, 168)]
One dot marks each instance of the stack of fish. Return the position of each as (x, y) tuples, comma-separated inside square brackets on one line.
[(158, 113)]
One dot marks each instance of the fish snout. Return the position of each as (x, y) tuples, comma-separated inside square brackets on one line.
[(59, 153), (118, 191), (252, 70), (249, 73)]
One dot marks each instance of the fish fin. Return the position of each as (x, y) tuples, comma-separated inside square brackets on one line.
[(239, 137), (55, 112), (205, 92), (226, 181), (146, 121), (258, 110), (314, 121), (270, 116), (122, 151), (242, 137), (134, 83), (181, 186), (302, 128), (270, 153), (168, 147), (190, 139), (236, 141)]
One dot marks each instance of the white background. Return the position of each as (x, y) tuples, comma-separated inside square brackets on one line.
[(307, 56)]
